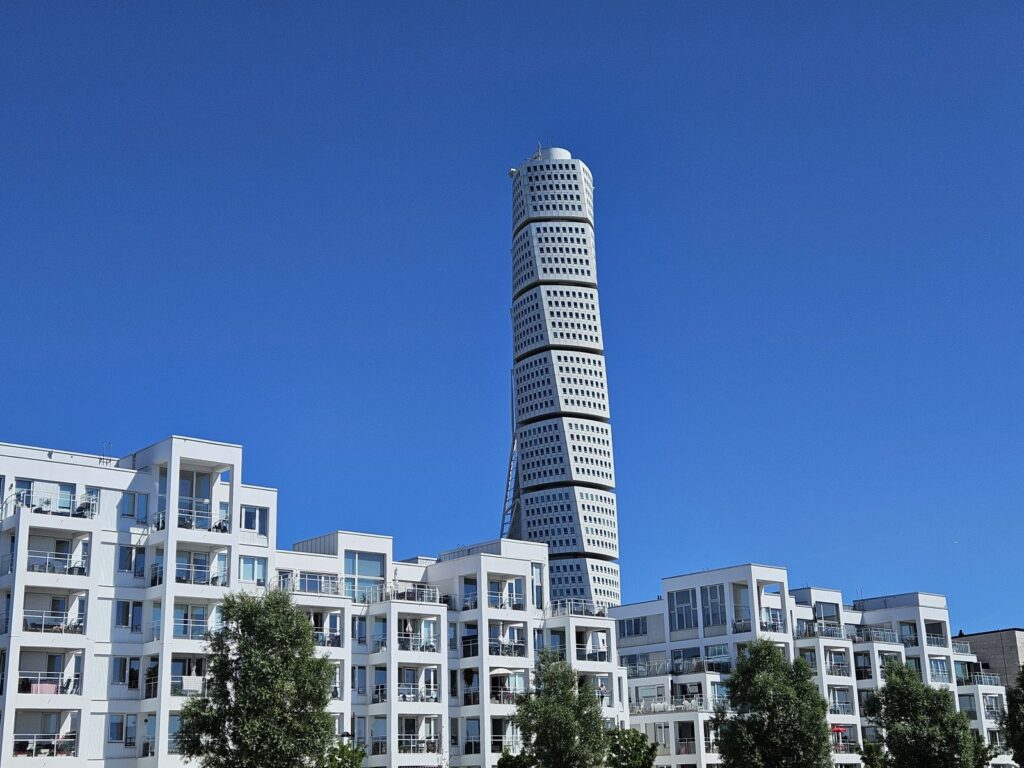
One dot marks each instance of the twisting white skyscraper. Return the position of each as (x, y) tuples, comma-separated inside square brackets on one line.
[(561, 471)]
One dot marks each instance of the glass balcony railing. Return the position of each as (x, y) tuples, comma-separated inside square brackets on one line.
[(203, 575), (188, 685), (573, 607), (41, 561), (53, 621), (515, 648), (936, 641), (49, 683), (61, 503), (840, 708), (194, 513), (589, 653), (418, 745), (985, 678), (961, 646), (45, 745), (506, 602), (414, 641)]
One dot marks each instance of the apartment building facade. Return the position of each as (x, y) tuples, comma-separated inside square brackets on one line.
[(679, 650), (113, 570)]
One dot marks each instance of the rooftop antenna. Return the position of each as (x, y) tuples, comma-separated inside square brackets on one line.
[(106, 450)]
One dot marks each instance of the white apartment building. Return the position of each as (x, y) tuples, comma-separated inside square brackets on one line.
[(112, 571), (680, 648), (561, 478)]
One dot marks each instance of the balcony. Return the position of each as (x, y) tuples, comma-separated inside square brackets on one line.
[(410, 593), (936, 641), (837, 669), (416, 745), (62, 504), (501, 743), (189, 629), (773, 625), (873, 635), (940, 676), (686, 747), (649, 669), (378, 745), (961, 646), (40, 561), (986, 678), (505, 696), (53, 621), (309, 584), (739, 626), (45, 745), (994, 713), (844, 747), (574, 607), (49, 683), (840, 708), (864, 673), (380, 694), (202, 575), (410, 692), (694, 703), (586, 653), (470, 696), (412, 641), (711, 745), (196, 514), (470, 648), (326, 638), (910, 641), (516, 649), (713, 664), (188, 685), (506, 602), (819, 629), (472, 746)]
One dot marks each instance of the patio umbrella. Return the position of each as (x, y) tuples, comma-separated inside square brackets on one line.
[(838, 729)]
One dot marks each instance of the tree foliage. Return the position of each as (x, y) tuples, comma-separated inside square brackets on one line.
[(780, 717), (628, 748), (920, 725), (1013, 721), (559, 719), (267, 696)]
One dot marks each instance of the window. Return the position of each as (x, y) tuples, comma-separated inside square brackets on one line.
[(363, 571), (252, 569), (135, 505), (124, 670), (634, 627), (682, 609), (255, 519), (115, 729), (132, 560), (128, 613), (359, 630), (713, 599)]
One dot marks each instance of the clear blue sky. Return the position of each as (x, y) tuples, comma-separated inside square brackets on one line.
[(287, 225)]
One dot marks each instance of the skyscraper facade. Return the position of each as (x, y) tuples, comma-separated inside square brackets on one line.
[(561, 478)]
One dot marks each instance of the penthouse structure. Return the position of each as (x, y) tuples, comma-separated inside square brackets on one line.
[(113, 571), (680, 648), (561, 479)]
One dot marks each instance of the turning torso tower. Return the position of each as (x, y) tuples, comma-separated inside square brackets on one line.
[(561, 470)]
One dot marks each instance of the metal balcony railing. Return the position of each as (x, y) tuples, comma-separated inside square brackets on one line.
[(588, 653), (840, 708), (937, 641), (710, 745), (470, 696), (693, 703), (327, 638), (417, 745), (864, 673), (506, 602), (45, 745), (505, 695), (961, 646), (819, 629), (515, 649), (204, 575), (994, 713), (938, 676), (53, 621), (986, 678), (52, 503), (414, 641), (838, 669), (773, 625), (910, 641), (188, 685), (501, 743), (686, 747), (190, 629), (195, 513), (380, 693), (412, 593), (843, 747), (573, 607), (49, 683), (872, 635), (41, 561), (739, 626), (410, 692)]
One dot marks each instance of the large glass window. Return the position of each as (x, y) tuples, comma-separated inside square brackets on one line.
[(363, 572), (252, 569), (255, 519), (713, 600), (682, 609)]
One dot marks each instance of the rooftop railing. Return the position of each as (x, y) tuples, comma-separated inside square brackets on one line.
[(45, 745), (53, 621), (49, 683)]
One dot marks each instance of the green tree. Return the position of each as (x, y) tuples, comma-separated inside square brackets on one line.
[(1013, 720), (348, 754), (779, 719), (920, 725), (267, 696), (628, 748), (559, 719)]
